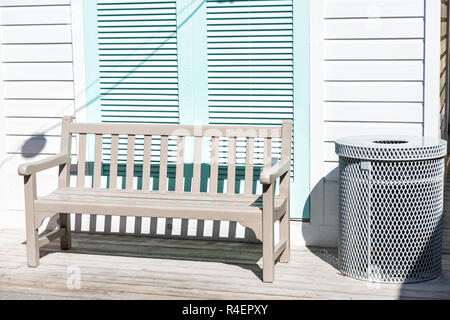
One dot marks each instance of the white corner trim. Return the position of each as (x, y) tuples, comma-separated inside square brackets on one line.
[(79, 75), (3, 154), (431, 114), (316, 111)]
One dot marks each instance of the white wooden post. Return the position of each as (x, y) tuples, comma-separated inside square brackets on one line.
[(431, 115), (79, 75), (3, 154), (316, 112)]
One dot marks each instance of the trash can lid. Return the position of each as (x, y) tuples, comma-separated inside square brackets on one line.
[(391, 148)]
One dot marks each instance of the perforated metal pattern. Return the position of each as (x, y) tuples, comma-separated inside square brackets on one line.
[(385, 148), (390, 218)]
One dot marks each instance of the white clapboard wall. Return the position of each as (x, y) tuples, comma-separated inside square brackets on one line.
[(37, 88), (371, 65), (444, 70)]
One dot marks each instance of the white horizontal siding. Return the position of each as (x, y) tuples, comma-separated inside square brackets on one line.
[(33, 15), (57, 52), (371, 49), (37, 84), (373, 68), (36, 34), (373, 78), (444, 70), (373, 8)]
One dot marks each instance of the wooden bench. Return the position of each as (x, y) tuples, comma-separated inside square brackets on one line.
[(251, 210)]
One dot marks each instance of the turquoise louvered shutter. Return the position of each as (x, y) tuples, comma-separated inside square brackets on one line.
[(250, 61), (250, 64), (138, 61)]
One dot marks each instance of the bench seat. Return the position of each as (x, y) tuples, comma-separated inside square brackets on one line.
[(244, 208)]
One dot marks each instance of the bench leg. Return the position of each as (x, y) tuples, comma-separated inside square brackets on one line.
[(31, 229), (66, 239), (32, 246), (268, 234), (268, 262), (285, 236)]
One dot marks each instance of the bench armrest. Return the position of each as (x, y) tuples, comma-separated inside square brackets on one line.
[(29, 168), (269, 175)]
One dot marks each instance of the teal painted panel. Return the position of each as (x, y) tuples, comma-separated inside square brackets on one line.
[(192, 69), (93, 105), (301, 187)]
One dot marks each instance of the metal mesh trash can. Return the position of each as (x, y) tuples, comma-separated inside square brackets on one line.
[(390, 207)]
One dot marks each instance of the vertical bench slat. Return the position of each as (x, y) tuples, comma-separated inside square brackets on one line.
[(196, 176), (214, 168), (130, 162), (112, 173), (63, 181), (268, 152), (231, 174), (286, 146), (249, 154), (113, 164), (131, 141), (81, 166), (163, 160), (180, 165), (98, 160), (97, 174), (146, 166)]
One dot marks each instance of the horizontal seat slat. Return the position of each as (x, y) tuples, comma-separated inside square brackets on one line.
[(198, 196), (242, 208), (105, 207), (150, 207), (169, 202), (176, 130)]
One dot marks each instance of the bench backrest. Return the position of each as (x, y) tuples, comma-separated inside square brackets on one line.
[(141, 137)]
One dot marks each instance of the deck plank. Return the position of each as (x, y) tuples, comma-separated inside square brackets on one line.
[(128, 267)]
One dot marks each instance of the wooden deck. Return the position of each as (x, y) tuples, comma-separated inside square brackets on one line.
[(124, 267)]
